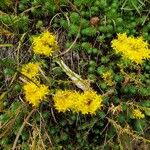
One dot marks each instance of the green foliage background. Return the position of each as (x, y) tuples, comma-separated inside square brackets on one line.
[(91, 56)]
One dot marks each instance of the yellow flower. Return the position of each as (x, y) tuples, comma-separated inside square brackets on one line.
[(30, 70), (45, 44), (88, 102), (64, 100), (34, 94), (135, 49), (138, 114)]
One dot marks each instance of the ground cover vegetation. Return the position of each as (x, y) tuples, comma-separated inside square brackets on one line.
[(75, 74)]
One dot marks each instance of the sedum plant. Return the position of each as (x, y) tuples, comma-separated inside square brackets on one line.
[(74, 74)]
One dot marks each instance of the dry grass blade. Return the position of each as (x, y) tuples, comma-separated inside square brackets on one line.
[(20, 130), (8, 125), (18, 49), (66, 51), (6, 45), (76, 79), (128, 131)]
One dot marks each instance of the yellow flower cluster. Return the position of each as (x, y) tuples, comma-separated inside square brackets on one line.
[(45, 44), (86, 103), (30, 70), (138, 114), (89, 102), (135, 49), (64, 100), (35, 93)]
